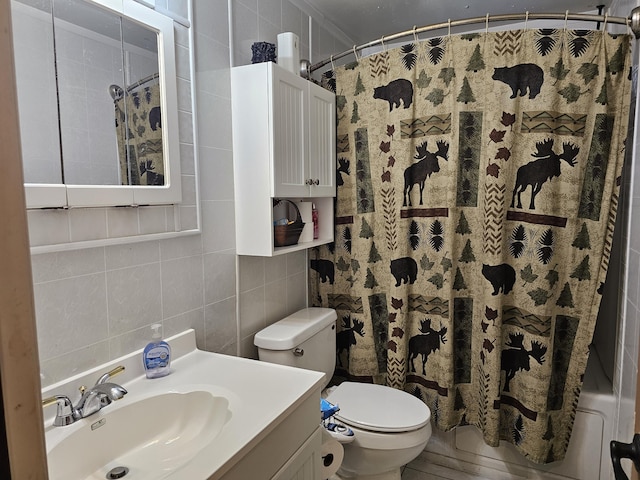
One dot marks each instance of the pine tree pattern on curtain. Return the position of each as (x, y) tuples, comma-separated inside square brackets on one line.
[(478, 180)]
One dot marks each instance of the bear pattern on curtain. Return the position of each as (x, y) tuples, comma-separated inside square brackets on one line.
[(139, 132), (478, 179)]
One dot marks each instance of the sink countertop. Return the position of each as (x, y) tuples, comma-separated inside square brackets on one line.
[(260, 396)]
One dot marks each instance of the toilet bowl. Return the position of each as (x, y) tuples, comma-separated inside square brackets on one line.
[(391, 427)]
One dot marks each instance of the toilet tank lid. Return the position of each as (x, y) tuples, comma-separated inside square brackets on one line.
[(291, 331)]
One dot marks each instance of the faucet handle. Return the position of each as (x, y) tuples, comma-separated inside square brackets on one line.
[(64, 414), (110, 373)]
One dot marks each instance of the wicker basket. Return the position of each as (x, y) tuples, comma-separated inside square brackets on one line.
[(284, 235)]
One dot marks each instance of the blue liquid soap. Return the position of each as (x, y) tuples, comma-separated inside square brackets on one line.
[(156, 356)]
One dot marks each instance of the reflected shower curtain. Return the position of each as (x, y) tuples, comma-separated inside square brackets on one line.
[(478, 179), (139, 132)]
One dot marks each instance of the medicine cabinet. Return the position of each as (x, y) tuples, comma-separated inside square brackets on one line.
[(97, 100), (284, 130)]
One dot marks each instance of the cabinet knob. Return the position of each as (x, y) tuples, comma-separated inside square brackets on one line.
[(317, 181), (309, 181)]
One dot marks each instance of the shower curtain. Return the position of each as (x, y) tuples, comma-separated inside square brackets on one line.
[(478, 179), (139, 133)]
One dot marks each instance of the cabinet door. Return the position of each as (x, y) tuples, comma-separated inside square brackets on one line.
[(290, 133), (322, 141), (306, 463)]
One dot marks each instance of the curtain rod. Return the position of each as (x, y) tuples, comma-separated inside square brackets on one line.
[(117, 92), (632, 22), (142, 81)]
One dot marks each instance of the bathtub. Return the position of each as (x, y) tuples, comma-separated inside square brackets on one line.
[(587, 457)]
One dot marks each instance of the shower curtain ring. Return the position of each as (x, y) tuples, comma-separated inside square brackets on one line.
[(526, 19), (384, 49), (566, 19), (355, 53), (415, 35), (333, 66), (604, 25), (486, 29), (449, 34)]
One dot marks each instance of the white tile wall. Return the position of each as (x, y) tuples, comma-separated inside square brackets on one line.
[(95, 304)]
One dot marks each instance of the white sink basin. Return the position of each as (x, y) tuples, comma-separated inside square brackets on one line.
[(216, 417), (152, 436)]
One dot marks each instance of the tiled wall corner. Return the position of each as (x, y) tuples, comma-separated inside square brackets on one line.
[(270, 288)]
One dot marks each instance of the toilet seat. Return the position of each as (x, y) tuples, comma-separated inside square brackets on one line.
[(378, 408)]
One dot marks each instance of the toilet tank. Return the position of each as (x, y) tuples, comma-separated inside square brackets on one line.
[(305, 339)]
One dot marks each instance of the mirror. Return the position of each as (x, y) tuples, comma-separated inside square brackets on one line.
[(98, 115), (108, 97), (37, 96)]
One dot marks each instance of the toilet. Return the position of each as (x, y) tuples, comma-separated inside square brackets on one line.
[(390, 427)]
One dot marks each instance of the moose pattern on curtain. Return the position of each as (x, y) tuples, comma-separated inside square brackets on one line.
[(478, 180)]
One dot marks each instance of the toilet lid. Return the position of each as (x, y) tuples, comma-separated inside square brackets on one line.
[(378, 408)]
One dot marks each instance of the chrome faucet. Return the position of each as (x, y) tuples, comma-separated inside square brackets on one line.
[(91, 401)]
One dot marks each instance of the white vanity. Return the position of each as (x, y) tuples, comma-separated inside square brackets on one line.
[(213, 417)]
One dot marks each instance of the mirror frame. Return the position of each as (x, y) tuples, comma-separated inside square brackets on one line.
[(40, 195)]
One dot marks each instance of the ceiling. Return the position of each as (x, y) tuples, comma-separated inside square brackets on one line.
[(366, 20)]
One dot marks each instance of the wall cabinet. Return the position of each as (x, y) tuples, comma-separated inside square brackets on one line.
[(284, 147)]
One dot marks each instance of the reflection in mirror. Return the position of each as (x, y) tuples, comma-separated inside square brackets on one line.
[(103, 122), (37, 96), (88, 59), (137, 109), (107, 141)]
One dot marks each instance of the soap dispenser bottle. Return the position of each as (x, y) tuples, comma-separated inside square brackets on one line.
[(156, 356)]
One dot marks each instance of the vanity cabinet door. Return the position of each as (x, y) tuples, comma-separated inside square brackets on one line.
[(322, 142), (306, 463)]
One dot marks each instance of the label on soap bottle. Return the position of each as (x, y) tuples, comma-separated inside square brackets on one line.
[(157, 357)]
